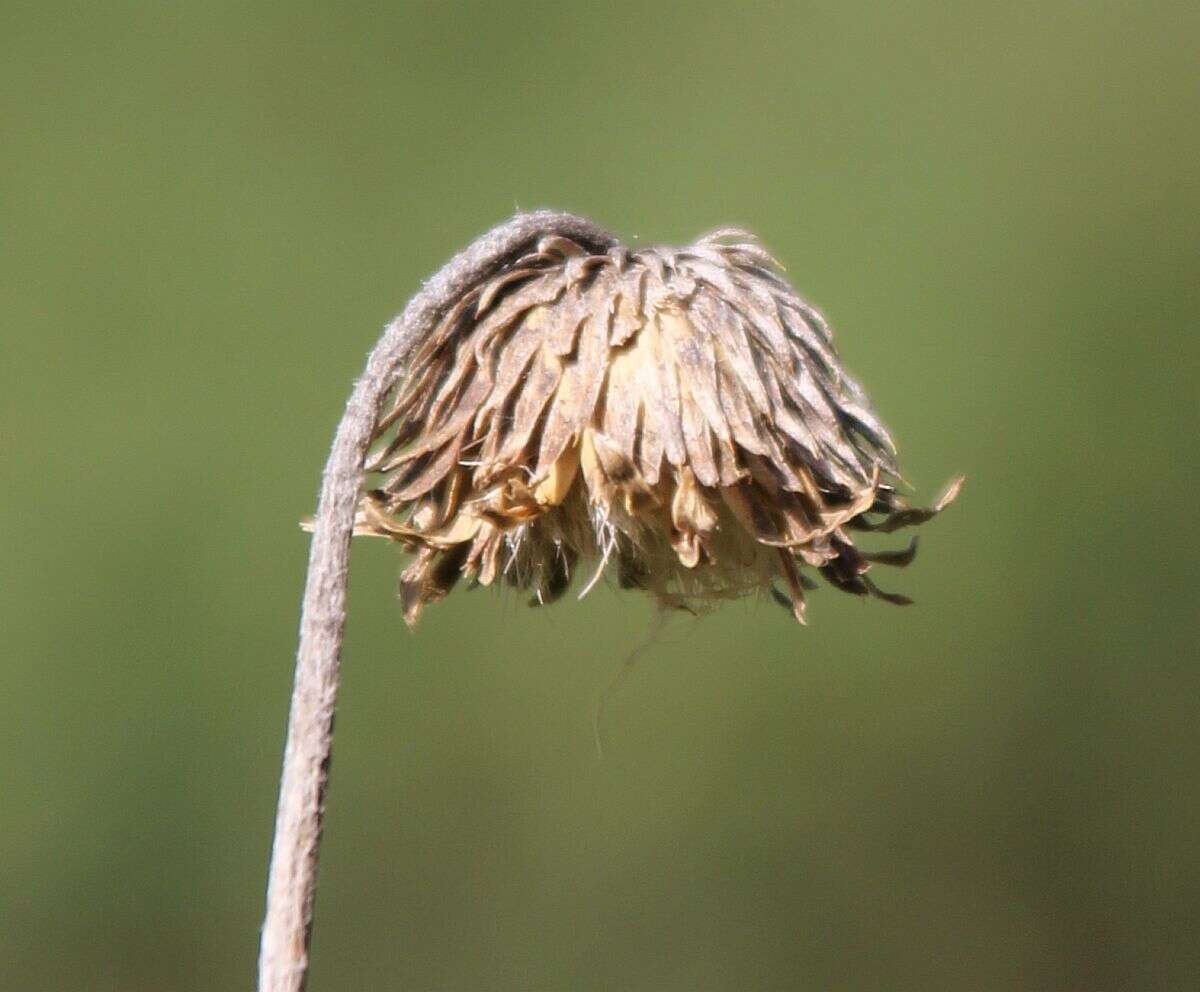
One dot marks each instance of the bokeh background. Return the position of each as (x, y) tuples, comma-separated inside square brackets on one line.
[(209, 211)]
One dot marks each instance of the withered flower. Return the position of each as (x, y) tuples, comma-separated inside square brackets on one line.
[(679, 416), (561, 406)]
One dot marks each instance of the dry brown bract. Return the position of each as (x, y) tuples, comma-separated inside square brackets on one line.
[(678, 415)]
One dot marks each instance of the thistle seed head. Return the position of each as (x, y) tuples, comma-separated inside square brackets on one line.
[(675, 418)]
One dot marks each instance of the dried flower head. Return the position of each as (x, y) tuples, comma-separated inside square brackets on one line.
[(679, 416)]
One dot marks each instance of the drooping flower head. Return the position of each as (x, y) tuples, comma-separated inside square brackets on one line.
[(676, 418)]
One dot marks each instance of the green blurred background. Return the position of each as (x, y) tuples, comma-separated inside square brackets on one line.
[(209, 210)]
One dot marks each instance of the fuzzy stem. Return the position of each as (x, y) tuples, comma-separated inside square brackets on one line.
[(291, 886)]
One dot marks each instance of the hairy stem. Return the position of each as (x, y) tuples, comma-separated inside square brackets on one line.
[(291, 886)]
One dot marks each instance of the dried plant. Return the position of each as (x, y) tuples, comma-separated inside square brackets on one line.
[(551, 405), (678, 415)]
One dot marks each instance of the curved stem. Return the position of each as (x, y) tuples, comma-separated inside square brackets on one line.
[(287, 928)]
